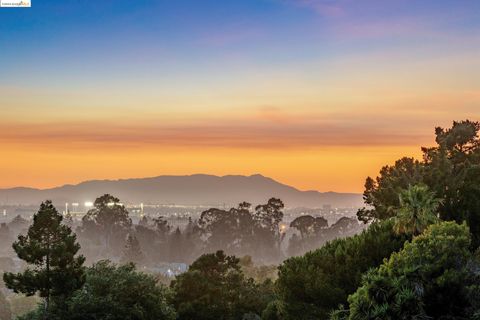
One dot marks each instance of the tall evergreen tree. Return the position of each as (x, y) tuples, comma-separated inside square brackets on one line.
[(50, 248)]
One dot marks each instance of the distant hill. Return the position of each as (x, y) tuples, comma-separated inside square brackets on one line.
[(196, 189)]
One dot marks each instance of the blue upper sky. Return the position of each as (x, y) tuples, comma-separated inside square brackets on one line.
[(90, 36)]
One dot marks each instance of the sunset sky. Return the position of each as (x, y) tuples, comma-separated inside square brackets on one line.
[(317, 94)]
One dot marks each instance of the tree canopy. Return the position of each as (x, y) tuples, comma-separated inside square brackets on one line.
[(451, 170), (312, 285), (214, 287), (430, 278)]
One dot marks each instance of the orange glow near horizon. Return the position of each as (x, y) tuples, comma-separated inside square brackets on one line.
[(341, 169)]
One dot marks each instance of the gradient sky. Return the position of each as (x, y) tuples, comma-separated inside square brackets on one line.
[(314, 93)]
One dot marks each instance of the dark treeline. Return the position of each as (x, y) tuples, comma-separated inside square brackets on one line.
[(417, 259)]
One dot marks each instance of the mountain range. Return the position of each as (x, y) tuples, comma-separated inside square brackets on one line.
[(198, 189)]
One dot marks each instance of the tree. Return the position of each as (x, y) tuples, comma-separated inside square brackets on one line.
[(267, 228), (132, 252), (162, 227), (108, 218), (313, 232), (431, 278), (214, 287), (451, 169), (311, 286), (381, 194), (51, 248), (418, 210), (230, 230), (344, 227), (116, 293), (113, 292), (18, 224), (308, 225), (270, 215), (453, 173)]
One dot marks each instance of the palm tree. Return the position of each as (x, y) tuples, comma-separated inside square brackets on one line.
[(418, 210)]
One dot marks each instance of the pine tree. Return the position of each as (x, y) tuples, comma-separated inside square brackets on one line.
[(50, 248)]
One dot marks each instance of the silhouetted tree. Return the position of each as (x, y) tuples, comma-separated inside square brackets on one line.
[(308, 225), (267, 228), (109, 219), (230, 230)]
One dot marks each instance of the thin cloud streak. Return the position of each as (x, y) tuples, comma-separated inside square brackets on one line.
[(228, 134)]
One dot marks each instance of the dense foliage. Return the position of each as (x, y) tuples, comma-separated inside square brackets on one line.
[(312, 285), (451, 170), (215, 287), (113, 293), (433, 277)]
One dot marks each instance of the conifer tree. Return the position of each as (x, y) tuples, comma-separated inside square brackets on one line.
[(50, 248)]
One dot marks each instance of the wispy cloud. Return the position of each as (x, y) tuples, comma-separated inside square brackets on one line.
[(326, 8)]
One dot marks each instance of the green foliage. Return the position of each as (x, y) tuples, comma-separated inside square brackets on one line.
[(417, 210), (119, 292), (311, 286), (274, 311), (113, 293), (381, 194), (451, 169), (50, 247), (215, 288), (428, 279)]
